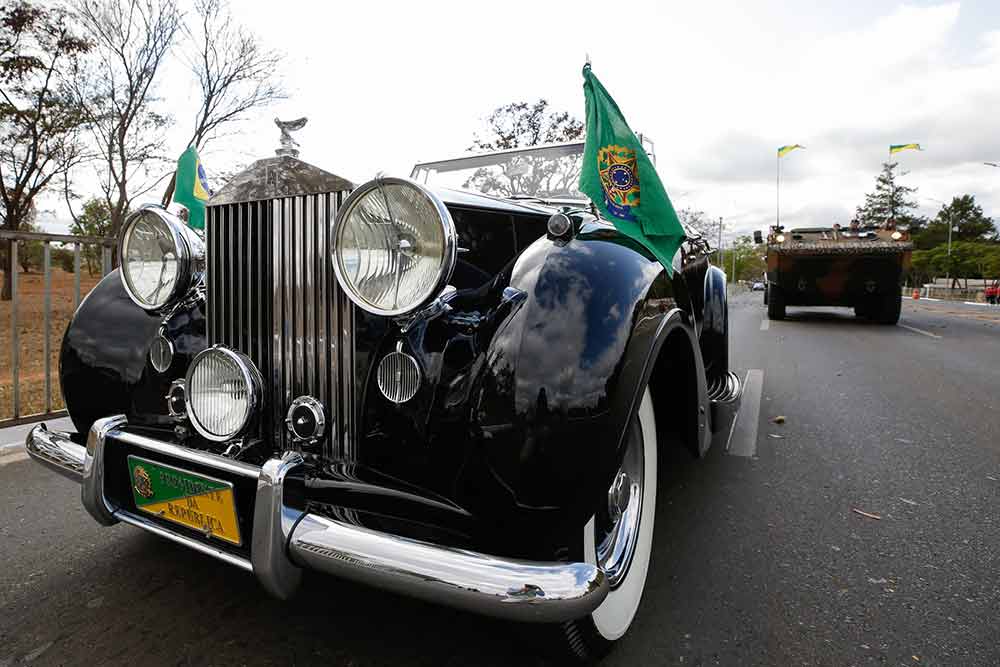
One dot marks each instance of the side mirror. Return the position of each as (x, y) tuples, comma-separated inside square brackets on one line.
[(758, 238)]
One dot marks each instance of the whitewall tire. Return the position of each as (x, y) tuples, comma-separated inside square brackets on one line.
[(622, 550)]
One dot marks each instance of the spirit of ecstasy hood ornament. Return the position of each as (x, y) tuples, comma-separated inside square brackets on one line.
[(289, 146)]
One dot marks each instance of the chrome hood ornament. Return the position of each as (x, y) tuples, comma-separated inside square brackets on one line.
[(289, 146)]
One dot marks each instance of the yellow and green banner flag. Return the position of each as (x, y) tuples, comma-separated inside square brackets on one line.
[(191, 187), (895, 148), (619, 178), (785, 150)]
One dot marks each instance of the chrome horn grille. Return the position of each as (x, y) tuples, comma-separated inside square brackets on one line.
[(273, 296)]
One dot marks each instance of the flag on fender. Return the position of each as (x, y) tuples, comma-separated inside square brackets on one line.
[(619, 178)]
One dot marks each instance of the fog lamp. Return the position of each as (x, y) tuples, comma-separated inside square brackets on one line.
[(223, 392)]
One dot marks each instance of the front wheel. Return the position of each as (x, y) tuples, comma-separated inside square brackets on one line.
[(889, 308), (619, 540), (775, 303)]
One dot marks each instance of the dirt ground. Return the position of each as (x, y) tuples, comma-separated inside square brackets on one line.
[(31, 333)]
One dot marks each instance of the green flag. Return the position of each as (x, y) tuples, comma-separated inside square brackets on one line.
[(620, 179), (191, 187)]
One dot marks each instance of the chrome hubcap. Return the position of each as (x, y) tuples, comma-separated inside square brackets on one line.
[(618, 530)]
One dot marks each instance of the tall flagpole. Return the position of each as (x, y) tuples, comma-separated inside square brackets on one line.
[(777, 203)]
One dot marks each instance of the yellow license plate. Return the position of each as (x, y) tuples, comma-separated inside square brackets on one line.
[(196, 501)]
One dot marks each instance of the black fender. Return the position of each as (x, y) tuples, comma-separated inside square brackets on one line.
[(565, 371), (104, 366), (714, 338)]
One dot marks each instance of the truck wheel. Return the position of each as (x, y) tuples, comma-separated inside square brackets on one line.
[(889, 309), (775, 303), (619, 539)]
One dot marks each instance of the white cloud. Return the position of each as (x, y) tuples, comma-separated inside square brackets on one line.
[(718, 85)]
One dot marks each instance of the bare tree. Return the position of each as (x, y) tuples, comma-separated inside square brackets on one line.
[(39, 121), (521, 125), (236, 74), (698, 221), (118, 93)]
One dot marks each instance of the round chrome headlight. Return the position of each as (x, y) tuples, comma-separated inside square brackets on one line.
[(393, 246), (160, 257), (780, 238), (222, 393)]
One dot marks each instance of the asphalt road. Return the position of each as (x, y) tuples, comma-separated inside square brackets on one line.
[(760, 559)]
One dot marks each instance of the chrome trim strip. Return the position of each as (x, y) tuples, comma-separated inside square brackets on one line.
[(277, 372), (298, 288), (238, 264), (323, 305), (287, 317), (190, 455), (519, 590), (338, 390), (56, 451), (309, 295), (272, 524), (147, 525), (92, 489)]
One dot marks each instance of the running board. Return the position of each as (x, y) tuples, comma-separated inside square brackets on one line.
[(725, 397)]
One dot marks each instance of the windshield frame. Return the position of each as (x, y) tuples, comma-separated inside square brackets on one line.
[(424, 172)]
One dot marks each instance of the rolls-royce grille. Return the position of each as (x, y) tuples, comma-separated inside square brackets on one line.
[(272, 294)]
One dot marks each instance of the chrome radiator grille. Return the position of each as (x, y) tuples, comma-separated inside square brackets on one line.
[(272, 294)]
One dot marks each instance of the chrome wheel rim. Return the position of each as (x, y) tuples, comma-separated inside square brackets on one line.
[(617, 527)]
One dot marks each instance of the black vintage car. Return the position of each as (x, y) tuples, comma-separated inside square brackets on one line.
[(448, 394)]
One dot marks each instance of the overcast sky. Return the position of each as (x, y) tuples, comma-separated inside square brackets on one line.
[(718, 86)]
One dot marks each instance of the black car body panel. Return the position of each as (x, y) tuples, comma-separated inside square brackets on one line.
[(529, 379)]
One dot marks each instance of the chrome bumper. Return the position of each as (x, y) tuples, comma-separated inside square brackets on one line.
[(286, 540)]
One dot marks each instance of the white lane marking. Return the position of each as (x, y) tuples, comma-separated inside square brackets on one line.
[(975, 303), (12, 458), (920, 331), (743, 441), (923, 298), (765, 325)]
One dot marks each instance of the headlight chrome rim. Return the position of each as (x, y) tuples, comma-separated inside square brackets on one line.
[(449, 256), (188, 247), (252, 378)]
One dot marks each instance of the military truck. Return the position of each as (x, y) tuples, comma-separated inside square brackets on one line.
[(855, 267)]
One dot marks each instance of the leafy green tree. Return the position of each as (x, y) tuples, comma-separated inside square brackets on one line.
[(95, 220), (890, 201), (63, 258), (968, 259), (29, 253), (963, 212), (749, 260)]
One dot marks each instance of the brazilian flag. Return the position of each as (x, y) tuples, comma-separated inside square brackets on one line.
[(620, 179), (896, 148), (191, 188)]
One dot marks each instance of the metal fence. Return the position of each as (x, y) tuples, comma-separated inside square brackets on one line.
[(77, 242)]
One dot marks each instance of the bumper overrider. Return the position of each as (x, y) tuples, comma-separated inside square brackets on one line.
[(284, 539)]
